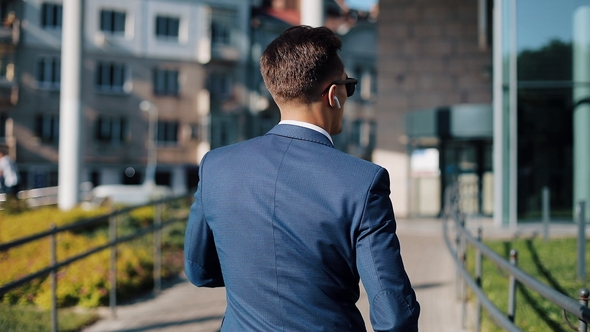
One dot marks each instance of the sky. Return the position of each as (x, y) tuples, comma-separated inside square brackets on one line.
[(361, 4), (540, 21)]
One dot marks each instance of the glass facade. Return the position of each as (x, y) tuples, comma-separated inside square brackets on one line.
[(543, 80)]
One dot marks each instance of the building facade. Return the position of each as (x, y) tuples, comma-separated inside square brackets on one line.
[(187, 58), (431, 56), (499, 90), (541, 63)]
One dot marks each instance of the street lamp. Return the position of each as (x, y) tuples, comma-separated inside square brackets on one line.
[(150, 170)]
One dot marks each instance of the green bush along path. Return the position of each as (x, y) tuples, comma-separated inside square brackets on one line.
[(85, 283)]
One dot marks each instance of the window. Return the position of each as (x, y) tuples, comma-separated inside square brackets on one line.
[(164, 178), (47, 127), (111, 129), (166, 82), (222, 23), (167, 27), (110, 76), (39, 178), (51, 14), (362, 132), (167, 132), (131, 176), (224, 130), (3, 9), (366, 88), (23, 181), (3, 119), (53, 178), (195, 131), (112, 21), (220, 85), (49, 72), (95, 178), (367, 85)]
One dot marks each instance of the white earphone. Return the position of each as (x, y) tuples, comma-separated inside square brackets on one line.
[(337, 102)]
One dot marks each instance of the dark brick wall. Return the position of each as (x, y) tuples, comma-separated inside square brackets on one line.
[(427, 56)]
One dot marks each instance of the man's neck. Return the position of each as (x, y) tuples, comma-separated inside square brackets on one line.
[(309, 113), (309, 126)]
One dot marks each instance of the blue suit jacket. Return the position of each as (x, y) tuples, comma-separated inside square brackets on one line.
[(288, 224)]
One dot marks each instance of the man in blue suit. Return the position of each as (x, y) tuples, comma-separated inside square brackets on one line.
[(287, 223)]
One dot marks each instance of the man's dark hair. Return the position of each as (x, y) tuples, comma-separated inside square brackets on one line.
[(298, 61)]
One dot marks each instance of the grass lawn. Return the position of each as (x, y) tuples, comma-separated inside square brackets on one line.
[(554, 263), (30, 319)]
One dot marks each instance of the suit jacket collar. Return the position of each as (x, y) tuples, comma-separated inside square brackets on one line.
[(301, 133)]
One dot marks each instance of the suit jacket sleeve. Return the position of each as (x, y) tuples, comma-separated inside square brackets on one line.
[(201, 263), (393, 305)]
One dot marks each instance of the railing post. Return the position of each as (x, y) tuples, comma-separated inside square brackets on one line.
[(457, 252), (584, 294), (546, 215), (458, 278), (512, 287), (53, 280), (158, 249), (478, 276), (113, 267), (464, 282), (581, 240)]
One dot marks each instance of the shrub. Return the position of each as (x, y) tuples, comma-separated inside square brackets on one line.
[(85, 282)]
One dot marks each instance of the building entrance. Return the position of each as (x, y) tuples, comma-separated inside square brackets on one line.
[(462, 137)]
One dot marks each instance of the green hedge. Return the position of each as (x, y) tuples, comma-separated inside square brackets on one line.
[(84, 283)]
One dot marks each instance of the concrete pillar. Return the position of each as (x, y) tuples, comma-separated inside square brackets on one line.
[(70, 106), (312, 12), (581, 116)]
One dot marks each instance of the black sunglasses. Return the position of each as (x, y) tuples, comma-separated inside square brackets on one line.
[(349, 83)]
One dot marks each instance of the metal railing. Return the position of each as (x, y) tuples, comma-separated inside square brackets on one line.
[(114, 240), (458, 250)]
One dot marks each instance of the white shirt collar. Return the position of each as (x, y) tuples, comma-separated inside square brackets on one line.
[(309, 126)]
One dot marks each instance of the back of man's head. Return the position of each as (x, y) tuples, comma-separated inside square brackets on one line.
[(297, 62)]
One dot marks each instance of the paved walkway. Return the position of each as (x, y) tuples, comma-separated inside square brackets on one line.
[(183, 307)]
